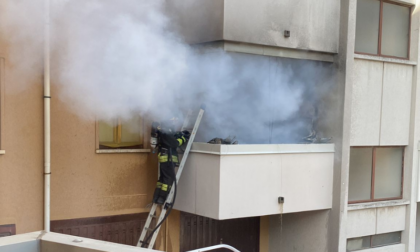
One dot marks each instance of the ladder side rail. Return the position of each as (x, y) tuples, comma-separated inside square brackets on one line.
[(155, 234), (147, 225), (189, 145), (187, 151), (171, 193), (187, 120)]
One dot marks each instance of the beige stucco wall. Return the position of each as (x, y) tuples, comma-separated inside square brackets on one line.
[(21, 116), (87, 184), (84, 184), (21, 168)]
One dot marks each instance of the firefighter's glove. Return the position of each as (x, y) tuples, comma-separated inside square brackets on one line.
[(186, 134)]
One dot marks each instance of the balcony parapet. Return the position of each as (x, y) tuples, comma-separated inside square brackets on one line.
[(237, 181)]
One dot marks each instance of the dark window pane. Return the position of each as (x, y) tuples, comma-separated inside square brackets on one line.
[(388, 172), (360, 174), (121, 133), (395, 30), (367, 26), (358, 243), (386, 239)]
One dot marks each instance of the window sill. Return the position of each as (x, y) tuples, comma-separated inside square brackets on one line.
[(2, 152), (385, 59), (112, 151), (376, 204)]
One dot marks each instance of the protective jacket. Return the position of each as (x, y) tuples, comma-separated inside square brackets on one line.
[(168, 145)]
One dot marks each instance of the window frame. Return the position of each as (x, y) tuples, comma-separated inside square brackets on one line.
[(372, 181), (121, 150), (380, 31), (371, 241)]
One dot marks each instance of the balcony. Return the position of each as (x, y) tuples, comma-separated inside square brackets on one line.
[(236, 181), (52, 242)]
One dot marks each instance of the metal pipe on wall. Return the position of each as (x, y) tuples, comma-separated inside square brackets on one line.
[(47, 121)]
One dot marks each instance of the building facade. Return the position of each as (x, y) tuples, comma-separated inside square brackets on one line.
[(360, 192)]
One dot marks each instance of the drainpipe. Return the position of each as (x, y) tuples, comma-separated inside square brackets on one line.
[(47, 126)]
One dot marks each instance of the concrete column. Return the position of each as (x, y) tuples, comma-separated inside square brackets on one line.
[(345, 60), (411, 154)]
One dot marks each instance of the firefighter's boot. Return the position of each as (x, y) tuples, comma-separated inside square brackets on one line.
[(157, 192), (163, 194)]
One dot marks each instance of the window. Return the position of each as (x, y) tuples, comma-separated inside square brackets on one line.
[(373, 241), (7, 230), (121, 134), (382, 28), (376, 173)]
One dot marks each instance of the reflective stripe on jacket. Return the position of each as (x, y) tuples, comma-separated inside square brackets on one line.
[(163, 158)]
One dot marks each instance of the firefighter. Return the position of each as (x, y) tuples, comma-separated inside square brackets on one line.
[(167, 141)]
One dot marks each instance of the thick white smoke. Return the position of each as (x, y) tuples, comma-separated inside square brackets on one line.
[(119, 58), (22, 41)]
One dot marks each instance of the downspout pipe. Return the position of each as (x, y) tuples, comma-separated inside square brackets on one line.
[(47, 121)]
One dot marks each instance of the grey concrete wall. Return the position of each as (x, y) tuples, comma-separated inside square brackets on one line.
[(374, 221), (417, 230), (391, 248), (411, 152), (313, 24), (197, 21), (381, 103), (366, 103), (337, 230), (303, 232)]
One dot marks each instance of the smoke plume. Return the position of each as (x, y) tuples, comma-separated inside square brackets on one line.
[(121, 58)]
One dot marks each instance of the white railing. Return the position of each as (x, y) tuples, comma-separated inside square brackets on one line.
[(215, 247)]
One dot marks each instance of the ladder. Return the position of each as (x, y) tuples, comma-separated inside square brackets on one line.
[(152, 215)]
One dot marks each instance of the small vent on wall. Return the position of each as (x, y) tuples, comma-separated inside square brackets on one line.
[(7, 230)]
